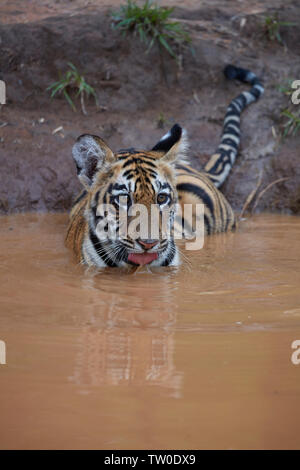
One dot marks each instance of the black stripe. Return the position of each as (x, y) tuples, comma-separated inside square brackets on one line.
[(130, 161), (227, 218), (144, 172), (99, 250), (97, 218), (229, 141), (256, 81), (119, 186), (242, 98), (147, 157), (146, 179), (221, 211), (171, 255), (80, 197), (149, 163), (232, 122), (129, 174), (199, 192), (231, 131), (223, 159), (255, 92), (232, 112), (217, 163), (237, 105), (207, 224), (186, 168)]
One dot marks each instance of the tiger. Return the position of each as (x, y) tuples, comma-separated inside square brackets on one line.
[(162, 177)]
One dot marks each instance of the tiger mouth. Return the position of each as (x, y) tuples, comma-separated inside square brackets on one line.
[(141, 259)]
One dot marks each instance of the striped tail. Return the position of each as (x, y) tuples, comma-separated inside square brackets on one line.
[(220, 164)]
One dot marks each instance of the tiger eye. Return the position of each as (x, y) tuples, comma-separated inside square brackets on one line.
[(162, 198)]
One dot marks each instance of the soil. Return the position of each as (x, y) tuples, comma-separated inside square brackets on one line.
[(137, 102)]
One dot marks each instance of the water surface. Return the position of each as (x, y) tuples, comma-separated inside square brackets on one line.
[(193, 357)]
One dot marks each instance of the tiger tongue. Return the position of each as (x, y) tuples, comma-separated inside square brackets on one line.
[(142, 258)]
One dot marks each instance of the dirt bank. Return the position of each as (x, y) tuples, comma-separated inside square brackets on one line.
[(37, 171)]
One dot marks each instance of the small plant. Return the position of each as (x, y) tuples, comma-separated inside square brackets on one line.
[(73, 80), (286, 87), (292, 125), (272, 27), (152, 24), (161, 121)]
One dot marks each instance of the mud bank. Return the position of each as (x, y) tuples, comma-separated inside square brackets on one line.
[(37, 171)]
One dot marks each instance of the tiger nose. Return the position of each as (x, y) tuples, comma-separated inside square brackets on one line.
[(147, 244)]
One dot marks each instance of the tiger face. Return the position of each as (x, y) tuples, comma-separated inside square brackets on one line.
[(119, 187)]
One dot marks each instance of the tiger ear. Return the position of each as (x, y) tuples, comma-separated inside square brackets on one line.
[(174, 145), (90, 154)]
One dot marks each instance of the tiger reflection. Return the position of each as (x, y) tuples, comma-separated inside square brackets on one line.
[(130, 344)]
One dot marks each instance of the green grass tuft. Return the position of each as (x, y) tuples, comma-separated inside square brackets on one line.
[(152, 24), (291, 124), (272, 26), (72, 80)]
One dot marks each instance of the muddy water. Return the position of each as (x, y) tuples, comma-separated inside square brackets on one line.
[(194, 357)]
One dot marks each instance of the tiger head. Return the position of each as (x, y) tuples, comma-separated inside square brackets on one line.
[(118, 183)]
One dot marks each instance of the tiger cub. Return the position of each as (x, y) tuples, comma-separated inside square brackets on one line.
[(161, 178)]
